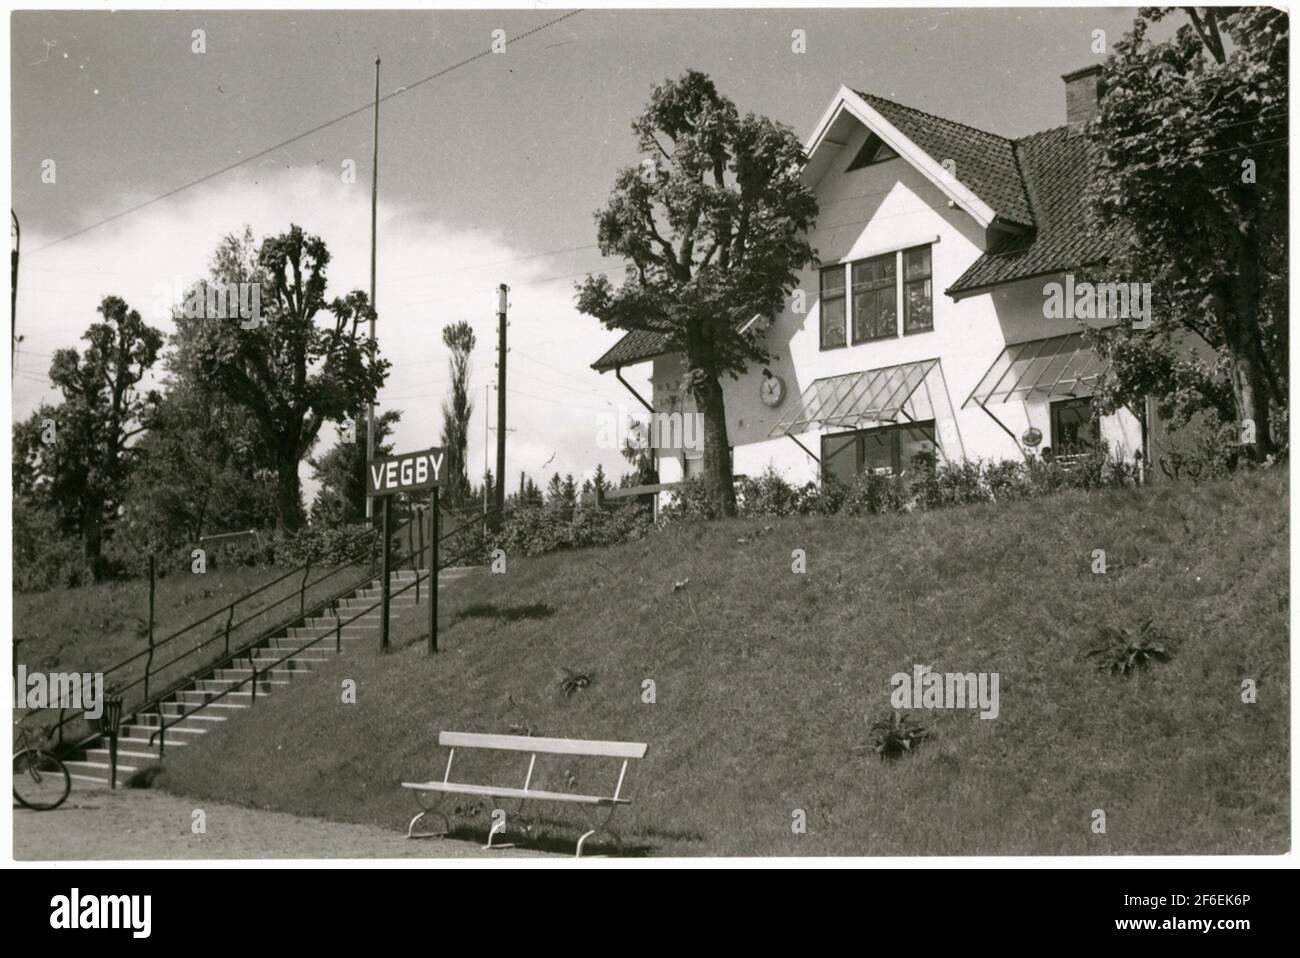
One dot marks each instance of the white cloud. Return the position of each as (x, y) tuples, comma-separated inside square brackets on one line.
[(429, 275)]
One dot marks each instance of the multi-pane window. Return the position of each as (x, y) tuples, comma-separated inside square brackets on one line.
[(877, 288), (886, 450), (875, 298), (1074, 429), (917, 294), (834, 314)]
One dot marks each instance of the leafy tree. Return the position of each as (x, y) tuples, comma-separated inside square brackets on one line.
[(714, 228), (459, 339), (75, 456), (289, 372), (197, 472), (341, 472), (204, 466), (1193, 132)]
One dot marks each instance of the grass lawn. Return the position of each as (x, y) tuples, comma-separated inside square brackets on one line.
[(766, 683), (92, 628)]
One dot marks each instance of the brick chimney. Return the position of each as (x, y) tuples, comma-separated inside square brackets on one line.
[(1083, 93)]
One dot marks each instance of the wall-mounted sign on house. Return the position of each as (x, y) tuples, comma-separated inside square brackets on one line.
[(408, 472)]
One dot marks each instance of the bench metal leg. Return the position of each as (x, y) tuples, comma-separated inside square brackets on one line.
[(601, 828), (431, 809), (497, 826)]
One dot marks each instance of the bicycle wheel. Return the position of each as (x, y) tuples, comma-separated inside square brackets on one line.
[(41, 782)]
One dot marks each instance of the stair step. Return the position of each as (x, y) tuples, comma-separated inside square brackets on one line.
[(97, 772), (348, 631), (278, 676), (373, 594), (346, 619), (192, 697), (220, 685), (173, 709), (125, 754), (142, 733), (152, 721)]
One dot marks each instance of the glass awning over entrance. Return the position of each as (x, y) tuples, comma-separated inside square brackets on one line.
[(1060, 367), (871, 397)]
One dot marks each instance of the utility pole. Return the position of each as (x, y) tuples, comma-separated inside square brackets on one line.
[(487, 431), (502, 291), (374, 206), (13, 295)]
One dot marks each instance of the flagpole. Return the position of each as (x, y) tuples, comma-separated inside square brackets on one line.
[(374, 206)]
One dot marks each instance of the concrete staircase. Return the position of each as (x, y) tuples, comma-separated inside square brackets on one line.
[(90, 768)]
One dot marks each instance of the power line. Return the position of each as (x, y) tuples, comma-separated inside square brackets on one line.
[(293, 139)]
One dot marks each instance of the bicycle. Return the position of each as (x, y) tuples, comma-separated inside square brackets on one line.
[(41, 781)]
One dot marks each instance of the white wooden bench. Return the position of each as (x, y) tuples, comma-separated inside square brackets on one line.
[(429, 794)]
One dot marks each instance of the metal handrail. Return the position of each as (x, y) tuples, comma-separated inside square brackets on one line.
[(229, 608), (338, 631)]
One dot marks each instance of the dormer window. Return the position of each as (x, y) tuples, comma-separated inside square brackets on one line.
[(875, 150)]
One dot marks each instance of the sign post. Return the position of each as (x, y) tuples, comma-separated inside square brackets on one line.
[(433, 571), (408, 472), (385, 573)]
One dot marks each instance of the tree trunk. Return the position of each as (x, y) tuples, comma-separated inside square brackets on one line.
[(288, 491), (1249, 382), (1251, 392), (92, 536), (717, 449)]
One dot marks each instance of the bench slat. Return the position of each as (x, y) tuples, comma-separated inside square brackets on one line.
[(552, 746), (493, 791)]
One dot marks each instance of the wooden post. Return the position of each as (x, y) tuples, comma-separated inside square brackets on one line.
[(386, 573), (433, 571)]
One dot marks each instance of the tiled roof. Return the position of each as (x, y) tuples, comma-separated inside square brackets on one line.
[(1056, 168), (636, 347), (983, 162)]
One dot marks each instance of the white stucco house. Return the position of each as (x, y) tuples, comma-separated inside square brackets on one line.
[(923, 329)]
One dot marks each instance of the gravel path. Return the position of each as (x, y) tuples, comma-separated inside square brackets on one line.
[(98, 824)]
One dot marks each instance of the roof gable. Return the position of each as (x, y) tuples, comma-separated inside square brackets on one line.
[(981, 176), (983, 161), (1057, 168)]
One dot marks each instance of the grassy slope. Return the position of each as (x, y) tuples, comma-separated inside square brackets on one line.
[(766, 682)]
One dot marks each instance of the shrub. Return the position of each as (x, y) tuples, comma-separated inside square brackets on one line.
[(690, 501), (535, 531), (322, 545), (769, 495)]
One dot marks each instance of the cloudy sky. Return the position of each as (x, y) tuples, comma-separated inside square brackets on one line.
[(489, 173)]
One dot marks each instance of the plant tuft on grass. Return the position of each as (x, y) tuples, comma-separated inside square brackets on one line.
[(574, 682), (895, 735), (1123, 652)]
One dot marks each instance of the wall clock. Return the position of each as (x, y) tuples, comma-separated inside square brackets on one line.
[(771, 390)]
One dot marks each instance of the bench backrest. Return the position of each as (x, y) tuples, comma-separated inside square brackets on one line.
[(529, 743)]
